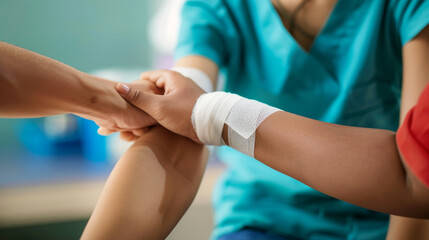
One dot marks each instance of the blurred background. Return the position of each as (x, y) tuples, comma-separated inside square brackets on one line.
[(52, 169)]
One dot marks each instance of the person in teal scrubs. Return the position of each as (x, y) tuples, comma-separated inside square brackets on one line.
[(351, 75)]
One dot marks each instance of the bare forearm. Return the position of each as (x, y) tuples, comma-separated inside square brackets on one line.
[(358, 165), (33, 86), (150, 188)]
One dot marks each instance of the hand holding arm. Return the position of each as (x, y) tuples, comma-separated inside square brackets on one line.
[(154, 183), (361, 166)]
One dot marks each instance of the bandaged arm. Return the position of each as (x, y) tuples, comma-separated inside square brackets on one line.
[(359, 165)]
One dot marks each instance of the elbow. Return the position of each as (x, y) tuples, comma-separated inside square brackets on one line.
[(416, 211), (422, 206), (425, 214), (419, 193), (413, 207), (417, 205)]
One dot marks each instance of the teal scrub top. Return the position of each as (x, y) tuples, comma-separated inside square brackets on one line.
[(352, 75)]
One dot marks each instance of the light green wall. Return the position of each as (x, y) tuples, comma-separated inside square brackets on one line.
[(8, 140), (86, 34)]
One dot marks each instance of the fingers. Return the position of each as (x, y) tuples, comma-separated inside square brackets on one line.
[(134, 134), (146, 86), (135, 95), (140, 132), (124, 135), (155, 77), (128, 136), (164, 79), (105, 131), (152, 75)]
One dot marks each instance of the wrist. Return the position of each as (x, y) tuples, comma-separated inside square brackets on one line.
[(100, 98), (220, 118), (199, 77)]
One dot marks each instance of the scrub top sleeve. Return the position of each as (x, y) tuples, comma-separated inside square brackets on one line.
[(202, 31), (413, 138), (411, 17)]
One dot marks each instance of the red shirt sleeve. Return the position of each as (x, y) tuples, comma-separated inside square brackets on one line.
[(413, 138)]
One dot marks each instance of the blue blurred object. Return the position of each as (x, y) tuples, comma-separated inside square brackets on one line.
[(50, 136), (93, 145)]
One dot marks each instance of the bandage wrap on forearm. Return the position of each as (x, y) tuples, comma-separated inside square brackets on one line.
[(198, 76), (241, 115)]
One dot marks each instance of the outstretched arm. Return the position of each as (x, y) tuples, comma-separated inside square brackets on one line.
[(32, 85), (149, 189), (358, 165)]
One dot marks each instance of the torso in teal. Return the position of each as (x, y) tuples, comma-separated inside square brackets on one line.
[(352, 75)]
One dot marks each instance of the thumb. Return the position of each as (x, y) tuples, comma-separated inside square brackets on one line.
[(139, 98)]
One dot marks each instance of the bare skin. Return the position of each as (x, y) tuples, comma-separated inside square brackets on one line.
[(40, 86), (383, 138), (154, 182), (211, 69), (311, 18), (204, 64), (152, 185), (414, 63), (338, 160), (150, 188)]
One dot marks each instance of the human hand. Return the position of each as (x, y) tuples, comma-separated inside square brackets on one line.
[(113, 114), (173, 109)]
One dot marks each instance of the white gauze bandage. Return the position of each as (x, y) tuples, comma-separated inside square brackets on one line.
[(198, 76), (242, 116)]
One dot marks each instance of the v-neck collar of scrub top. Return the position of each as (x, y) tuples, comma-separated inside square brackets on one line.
[(330, 18), (332, 34), (309, 78)]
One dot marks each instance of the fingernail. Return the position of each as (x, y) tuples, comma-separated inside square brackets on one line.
[(122, 88)]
